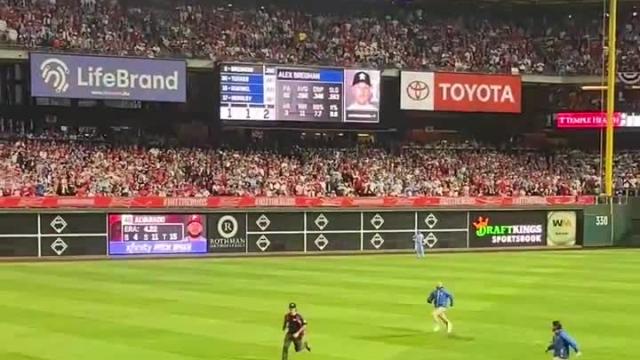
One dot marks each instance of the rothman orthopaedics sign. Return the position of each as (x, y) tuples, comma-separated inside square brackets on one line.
[(101, 77)]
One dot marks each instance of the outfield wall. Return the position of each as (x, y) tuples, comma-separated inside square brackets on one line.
[(64, 233)]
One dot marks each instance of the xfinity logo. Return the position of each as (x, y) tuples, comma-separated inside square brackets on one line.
[(54, 73)]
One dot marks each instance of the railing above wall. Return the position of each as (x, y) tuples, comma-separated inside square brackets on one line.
[(222, 202)]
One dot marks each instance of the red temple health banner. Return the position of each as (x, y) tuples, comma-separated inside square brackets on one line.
[(153, 202)]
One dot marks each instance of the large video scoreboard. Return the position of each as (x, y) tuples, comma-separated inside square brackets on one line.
[(290, 93)]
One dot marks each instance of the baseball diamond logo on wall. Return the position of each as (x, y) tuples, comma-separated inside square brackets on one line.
[(54, 73), (263, 243), (377, 221), (321, 222), (58, 224), (59, 246), (321, 242), (377, 241), (263, 222), (418, 90), (431, 221), (430, 240)]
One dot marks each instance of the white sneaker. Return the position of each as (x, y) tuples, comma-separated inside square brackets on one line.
[(449, 328), (436, 328)]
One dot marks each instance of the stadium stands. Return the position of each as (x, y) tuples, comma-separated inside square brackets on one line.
[(39, 167), (482, 43), (59, 165)]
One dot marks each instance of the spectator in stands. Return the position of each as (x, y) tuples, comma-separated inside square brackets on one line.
[(472, 41), (42, 167)]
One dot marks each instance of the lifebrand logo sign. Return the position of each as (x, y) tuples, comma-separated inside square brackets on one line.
[(95, 77), (460, 92)]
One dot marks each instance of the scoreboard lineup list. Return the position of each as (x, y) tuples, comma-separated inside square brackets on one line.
[(280, 93)]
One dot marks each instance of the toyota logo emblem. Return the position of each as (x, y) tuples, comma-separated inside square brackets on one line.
[(418, 90)]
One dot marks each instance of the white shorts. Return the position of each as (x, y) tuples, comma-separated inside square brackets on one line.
[(440, 311)]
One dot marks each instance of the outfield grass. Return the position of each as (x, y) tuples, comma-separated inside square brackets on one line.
[(366, 307)]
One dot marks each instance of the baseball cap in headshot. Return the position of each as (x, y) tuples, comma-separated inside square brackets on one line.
[(194, 218), (292, 305), (361, 77)]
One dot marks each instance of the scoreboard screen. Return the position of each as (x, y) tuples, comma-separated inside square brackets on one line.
[(253, 92), (132, 234)]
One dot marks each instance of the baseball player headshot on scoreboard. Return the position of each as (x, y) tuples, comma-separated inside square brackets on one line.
[(362, 93), (195, 229)]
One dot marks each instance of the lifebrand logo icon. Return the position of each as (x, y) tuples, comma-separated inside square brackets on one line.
[(54, 73)]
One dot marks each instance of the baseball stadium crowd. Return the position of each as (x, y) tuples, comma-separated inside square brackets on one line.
[(44, 166), (477, 41)]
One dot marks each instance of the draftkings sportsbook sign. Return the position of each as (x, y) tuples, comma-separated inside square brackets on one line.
[(507, 229)]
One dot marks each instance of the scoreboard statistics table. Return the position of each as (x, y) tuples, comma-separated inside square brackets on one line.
[(254, 92), (132, 234)]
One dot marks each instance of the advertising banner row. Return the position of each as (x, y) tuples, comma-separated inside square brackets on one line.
[(232, 202), (270, 92), (74, 234)]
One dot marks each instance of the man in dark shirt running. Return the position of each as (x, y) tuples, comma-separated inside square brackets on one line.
[(295, 326)]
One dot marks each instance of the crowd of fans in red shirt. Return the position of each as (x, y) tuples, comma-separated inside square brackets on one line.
[(45, 167), (408, 39), (475, 41)]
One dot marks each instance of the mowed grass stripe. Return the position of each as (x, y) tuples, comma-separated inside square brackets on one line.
[(319, 266), (54, 345), (307, 266), (179, 325), (133, 328), (100, 290), (319, 277), (131, 311), (496, 290), (238, 287), (499, 292)]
